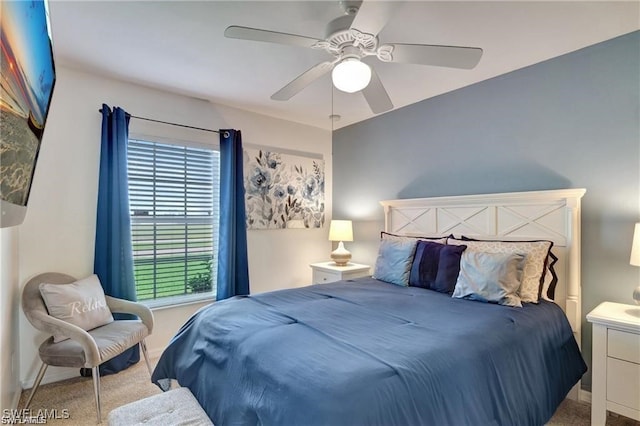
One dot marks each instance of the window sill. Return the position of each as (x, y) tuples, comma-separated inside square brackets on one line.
[(178, 301)]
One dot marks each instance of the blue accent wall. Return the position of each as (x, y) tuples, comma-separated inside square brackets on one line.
[(569, 122)]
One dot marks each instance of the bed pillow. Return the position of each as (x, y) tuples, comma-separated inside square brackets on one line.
[(548, 288), (436, 266), (536, 257), (395, 257), (388, 236), (490, 277), (424, 268), (449, 268), (81, 303)]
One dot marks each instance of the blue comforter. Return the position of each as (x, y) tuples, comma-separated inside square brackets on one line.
[(370, 353)]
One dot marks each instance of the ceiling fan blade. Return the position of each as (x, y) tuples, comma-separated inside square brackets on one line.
[(376, 95), (440, 56), (372, 16), (302, 81), (246, 33)]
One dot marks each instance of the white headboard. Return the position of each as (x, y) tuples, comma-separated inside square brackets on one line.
[(536, 215)]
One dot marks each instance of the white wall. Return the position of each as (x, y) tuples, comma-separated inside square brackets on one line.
[(9, 300), (58, 232)]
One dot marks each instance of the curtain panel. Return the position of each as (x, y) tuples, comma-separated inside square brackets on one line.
[(113, 261), (233, 265)]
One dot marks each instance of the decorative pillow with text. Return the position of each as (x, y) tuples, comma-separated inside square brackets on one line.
[(81, 303)]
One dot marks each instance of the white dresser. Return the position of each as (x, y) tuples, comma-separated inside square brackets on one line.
[(615, 370), (327, 272)]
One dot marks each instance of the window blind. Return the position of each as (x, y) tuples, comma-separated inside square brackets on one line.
[(173, 197)]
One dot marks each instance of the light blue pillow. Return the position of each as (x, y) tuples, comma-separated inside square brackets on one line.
[(395, 257), (490, 277)]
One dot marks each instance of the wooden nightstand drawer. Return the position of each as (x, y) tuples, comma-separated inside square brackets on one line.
[(623, 383), (321, 277), (623, 345)]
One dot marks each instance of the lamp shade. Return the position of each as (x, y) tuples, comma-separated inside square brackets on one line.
[(635, 247), (340, 230), (351, 75)]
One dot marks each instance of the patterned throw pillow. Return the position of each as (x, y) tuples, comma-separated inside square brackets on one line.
[(490, 277), (395, 257), (536, 254), (80, 303)]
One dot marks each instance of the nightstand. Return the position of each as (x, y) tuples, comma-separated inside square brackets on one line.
[(615, 383), (328, 272)]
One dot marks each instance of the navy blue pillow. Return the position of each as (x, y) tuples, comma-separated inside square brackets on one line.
[(436, 266), (448, 268), (424, 269)]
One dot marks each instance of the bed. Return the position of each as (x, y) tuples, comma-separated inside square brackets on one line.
[(369, 352)]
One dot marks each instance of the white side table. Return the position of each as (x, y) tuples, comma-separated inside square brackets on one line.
[(328, 272), (615, 383)]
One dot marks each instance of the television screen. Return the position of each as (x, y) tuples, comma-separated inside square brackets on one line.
[(27, 78)]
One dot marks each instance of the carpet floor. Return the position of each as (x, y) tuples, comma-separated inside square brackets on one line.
[(76, 396)]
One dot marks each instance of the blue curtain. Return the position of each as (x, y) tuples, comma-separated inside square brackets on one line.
[(233, 266), (113, 262)]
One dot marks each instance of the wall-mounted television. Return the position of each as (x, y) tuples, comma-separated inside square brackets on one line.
[(27, 78)]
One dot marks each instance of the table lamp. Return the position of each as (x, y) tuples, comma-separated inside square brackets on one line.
[(341, 230), (635, 258)]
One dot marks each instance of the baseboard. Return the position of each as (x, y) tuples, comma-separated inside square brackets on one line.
[(155, 353), (50, 377), (16, 399), (69, 373), (584, 396)]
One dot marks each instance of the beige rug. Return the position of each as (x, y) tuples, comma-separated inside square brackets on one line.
[(76, 396)]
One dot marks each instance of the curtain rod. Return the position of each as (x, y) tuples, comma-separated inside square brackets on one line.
[(171, 124)]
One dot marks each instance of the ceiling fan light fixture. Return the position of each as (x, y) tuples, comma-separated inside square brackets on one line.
[(351, 75)]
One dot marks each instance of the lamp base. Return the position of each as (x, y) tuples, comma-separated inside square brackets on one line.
[(341, 256), (636, 295)]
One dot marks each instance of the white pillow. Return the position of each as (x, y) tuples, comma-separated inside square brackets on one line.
[(80, 303), (536, 254), (490, 277)]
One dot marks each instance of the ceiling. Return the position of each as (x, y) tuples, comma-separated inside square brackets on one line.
[(179, 46)]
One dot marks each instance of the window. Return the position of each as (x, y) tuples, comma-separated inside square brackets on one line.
[(173, 196)]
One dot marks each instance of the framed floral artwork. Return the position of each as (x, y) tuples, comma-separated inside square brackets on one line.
[(283, 190)]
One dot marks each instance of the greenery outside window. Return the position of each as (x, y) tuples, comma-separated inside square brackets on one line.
[(173, 196)]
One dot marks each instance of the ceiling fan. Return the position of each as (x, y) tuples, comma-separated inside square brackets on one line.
[(349, 39)]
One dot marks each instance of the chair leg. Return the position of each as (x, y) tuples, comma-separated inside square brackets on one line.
[(95, 373), (36, 384), (143, 346)]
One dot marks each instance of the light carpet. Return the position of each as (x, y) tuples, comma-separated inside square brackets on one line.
[(76, 396)]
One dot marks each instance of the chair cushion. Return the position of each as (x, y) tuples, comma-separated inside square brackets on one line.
[(175, 407), (112, 339), (80, 303)]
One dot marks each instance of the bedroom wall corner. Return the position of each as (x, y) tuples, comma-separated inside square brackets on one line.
[(10, 388)]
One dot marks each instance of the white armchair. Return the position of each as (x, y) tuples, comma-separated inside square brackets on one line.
[(83, 349)]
